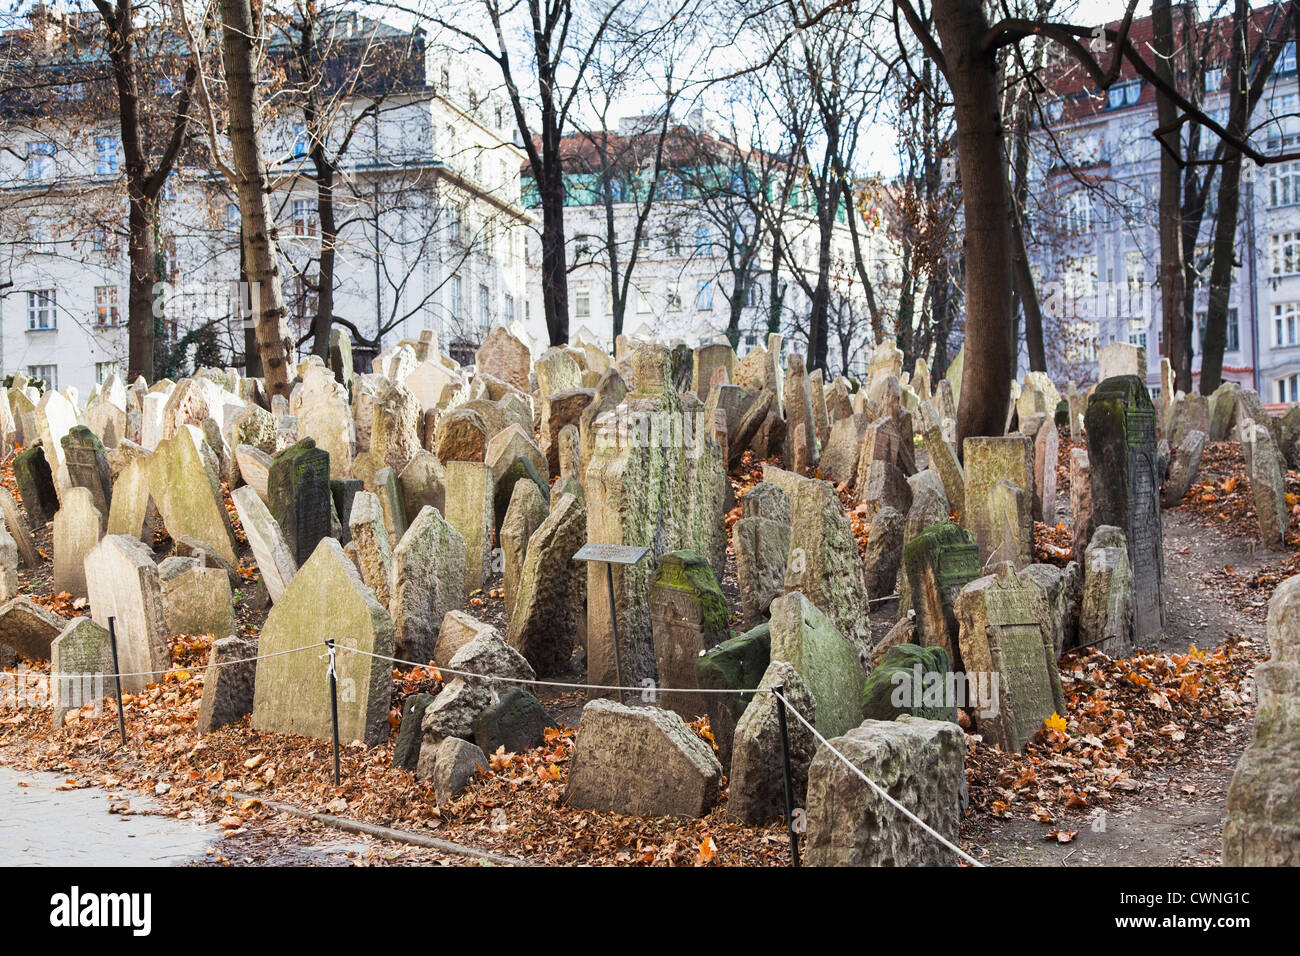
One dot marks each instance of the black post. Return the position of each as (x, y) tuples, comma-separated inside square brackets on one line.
[(613, 623), (117, 679), (779, 692), (334, 707)]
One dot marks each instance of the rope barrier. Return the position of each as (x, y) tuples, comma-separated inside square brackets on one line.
[(170, 670)]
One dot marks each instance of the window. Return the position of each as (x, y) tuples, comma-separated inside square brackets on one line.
[(455, 304), (1286, 62), (510, 309), (704, 296), (105, 155), (582, 303), (1078, 212), (305, 217), (40, 310), (106, 305), (301, 142), (1284, 248), (1284, 182), (49, 374), (642, 299), (484, 306), (702, 239), (1213, 80), (1284, 323), (1137, 332), (674, 297), (1288, 389), (453, 227), (753, 295), (672, 187), (1080, 280), (1135, 278), (103, 370), (40, 160), (673, 242), (233, 219), (1118, 96)]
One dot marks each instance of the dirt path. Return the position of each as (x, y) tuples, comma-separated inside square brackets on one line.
[(1175, 819)]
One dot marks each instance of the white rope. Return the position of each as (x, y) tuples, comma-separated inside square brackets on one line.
[(876, 787), (171, 670)]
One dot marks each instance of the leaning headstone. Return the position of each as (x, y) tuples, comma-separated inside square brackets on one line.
[(196, 599), (292, 693), (735, 665), (464, 698), (524, 515), (1125, 487), (884, 552), (938, 563), (77, 527), (298, 496), (552, 590), (36, 486), (760, 541), (640, 760), (688, 615), (188, 495), (28, 628), (428, 581), (1268, 486), (228, 683), (1263, 825), (1005, 634), (373, 550), (828, 663), (1183, 466), (124, 584), (1046, 446), (406, 752), (16, 523), (504, 356), (917, 762), (515, 722), (757, 776), (270, 550)]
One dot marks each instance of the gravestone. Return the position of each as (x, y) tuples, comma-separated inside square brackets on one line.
[(18, 528), (1183, 466), (524, 515), (428, 581), (988, 461), (552, 590), (270, 550), (757, 774), (87, 464), (938, 563), (827, 662), (688, 615), (373, 550), (228, 683), (469, 510), (298, 496), (1266, 470), (1047, 444), (123, 583), (1005, 631), (77, 527), (1106, 616), (80, 657), (1125, 487), (326, 599), (188, 495), (36, 486), (504, 356)]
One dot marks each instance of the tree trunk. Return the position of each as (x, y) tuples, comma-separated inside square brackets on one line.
[(239, 48), (1021, 273), (1172, 287), (973, 80), (324, 318), (142, 254)]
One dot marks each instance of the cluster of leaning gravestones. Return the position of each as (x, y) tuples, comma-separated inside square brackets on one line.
[(371, 504)]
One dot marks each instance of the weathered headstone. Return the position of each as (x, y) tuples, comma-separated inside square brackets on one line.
[(988, 461), (87, 464), (124, 584), (298, 496), (938, 563), (470, 511), (1266, 470), (757, 776), (1106, 617), (827, 662), (36, 486), (228, 683), (552, 589), (80, 657), (688, 615), (77, 527)]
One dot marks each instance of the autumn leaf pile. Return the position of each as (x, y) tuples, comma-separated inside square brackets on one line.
[(1127, 720)]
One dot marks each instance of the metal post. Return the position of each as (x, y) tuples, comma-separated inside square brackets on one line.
[(779, 691), (334, 707), (117, 679), (613, 623)]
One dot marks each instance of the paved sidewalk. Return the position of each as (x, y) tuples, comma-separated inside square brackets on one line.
[(42, 826)]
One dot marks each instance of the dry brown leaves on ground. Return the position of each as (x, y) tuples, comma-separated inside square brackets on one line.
[(1124, 718)]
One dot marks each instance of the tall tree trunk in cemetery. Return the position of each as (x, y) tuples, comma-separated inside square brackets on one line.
[(1022, 274), (144, 184), (239, 47), (972, 75), (1177, 338)]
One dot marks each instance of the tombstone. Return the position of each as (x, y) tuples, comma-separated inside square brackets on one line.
[(884, 552), (188, 495), (708, 359), (1267, 476), (504, 356), (326, 598), (943, 459), (757, 775), (422, 483), (824, 562), (461, 435), (640, 760), (524, 515), (1046, 448), (988, 461), (1121, 359), (1263, 822), (760, 542), (464, 698), (395, 429), (930, 507), (325, 416), (340, 358), (839, 459), (77, 527), (1222, 404), (36, 486), (1106, 615), (270, 550), (18, 529), (470, 511), (87, 465), (197, 599), (828, 663), (298, 496), (918, 762), (374, 552), (428, 581), (1004, 631), (80, 657), (552, 590), (1125, 487), (1009, 514), (1183, 466), (938, 563), (799, 410), (55, 416), (688, 615), (123, 583)]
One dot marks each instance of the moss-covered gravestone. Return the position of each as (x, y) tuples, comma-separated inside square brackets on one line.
[(735, 664), (939, 562), (36, 486), (827, 662), (88, 466), (188, 495), (688, 614), (905, 682), (1125, 487), (326, 599), (298, 495), (988, 461)]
